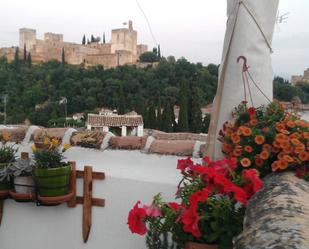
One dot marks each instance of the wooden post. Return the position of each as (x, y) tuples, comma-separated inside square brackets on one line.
[(1, 210), (87, 202), (72, 202)]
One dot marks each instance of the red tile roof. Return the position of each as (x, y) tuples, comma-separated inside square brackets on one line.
[(114, 120)]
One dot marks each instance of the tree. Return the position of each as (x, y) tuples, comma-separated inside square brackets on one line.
[(195, 113), (88, 42), (16, 58), (151, 118), (92, 38), (104, 37), (29, 60), (205, 124), (63, 56), (25, 53), (167, 118), (159, 52), (148, 57), (84, 40), (183, 120)]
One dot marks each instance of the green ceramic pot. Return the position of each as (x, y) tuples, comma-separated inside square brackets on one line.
[(4, 184), (53, 181)]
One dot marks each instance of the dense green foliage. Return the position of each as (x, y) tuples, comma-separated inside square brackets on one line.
[(34, 92)]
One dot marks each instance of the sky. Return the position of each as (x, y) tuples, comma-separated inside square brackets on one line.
[(193, 29)]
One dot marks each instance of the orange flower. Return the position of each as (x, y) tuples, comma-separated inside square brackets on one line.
[(290, 124), (284, 144), (305, 135), (280, 155), (248, 148), (281, 137), (283, 131), (259, 139), (266, 129), (264, 155), (280, 126), (245, 162), (283, 164), (275, 166), (235, 138), (295, 135), (227, 148), (276, 144), (288, 158), (288, 150), (258, 161), (295, 141), (299, 148), (253, 122), (247, 131), (303, 156), (266, 147), (237, 153)]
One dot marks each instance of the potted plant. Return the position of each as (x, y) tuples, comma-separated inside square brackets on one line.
[(210, 212), (267, 138), (52, 175), (7, 156), (21, 171)]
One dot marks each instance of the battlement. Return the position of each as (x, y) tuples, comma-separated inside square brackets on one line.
[(53, 37)]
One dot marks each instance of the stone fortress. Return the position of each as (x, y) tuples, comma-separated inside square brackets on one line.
[(122, 49), (300, 78)]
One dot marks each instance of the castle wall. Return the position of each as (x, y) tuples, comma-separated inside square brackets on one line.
[(141, 48), (107, 60), (124, 39), (53, 37)]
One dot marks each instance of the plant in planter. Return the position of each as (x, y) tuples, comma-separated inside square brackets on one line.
[(52, 175), (268, 139), (212, 197), (7, 156), (21, 171)]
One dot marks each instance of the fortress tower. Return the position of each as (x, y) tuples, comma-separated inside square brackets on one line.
[(28, 37), (124, 39)]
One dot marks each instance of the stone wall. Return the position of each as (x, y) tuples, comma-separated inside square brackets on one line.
[(278, 216)]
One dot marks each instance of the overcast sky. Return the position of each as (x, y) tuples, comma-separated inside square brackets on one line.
[(190, 28)]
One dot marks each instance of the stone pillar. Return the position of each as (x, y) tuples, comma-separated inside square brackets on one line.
[(88, 127), (278, 215), (140, 131), (249, 32), (123, 131), (105, 129)]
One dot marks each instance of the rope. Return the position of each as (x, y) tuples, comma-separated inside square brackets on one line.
[(257, 24)]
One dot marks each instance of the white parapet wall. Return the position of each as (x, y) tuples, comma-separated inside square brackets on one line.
[(130, 176)]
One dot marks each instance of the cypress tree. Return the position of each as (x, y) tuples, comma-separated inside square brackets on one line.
[(183, 121), (152, 120), (195, 119), (167, 118), (205, 124), (92, 38), (29, 60), (88, 42), (159, 52), (63, 56), (16, 58), (25, 53), (122, 104), (84, 40), (159, 117), (104, 37)]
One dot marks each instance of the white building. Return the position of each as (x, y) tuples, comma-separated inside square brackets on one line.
[(129, 124)]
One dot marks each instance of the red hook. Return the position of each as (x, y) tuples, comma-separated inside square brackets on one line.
[(245, 67)]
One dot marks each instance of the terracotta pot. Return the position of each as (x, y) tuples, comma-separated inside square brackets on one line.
[(193, 245)]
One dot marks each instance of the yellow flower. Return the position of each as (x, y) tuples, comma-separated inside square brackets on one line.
[(66, 147), (6, 136), (46, 140), (33, 148), (55, 142)]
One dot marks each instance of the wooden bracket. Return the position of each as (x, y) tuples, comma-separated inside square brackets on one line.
[(86, 200)]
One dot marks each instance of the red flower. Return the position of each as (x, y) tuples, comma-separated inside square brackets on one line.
[(223, 184), (240, 194), (253, 176), (136, 220), (251, 111), (302, 172), (152, 211), (175, 206), (198, 196), (190, 220), (183, 164)]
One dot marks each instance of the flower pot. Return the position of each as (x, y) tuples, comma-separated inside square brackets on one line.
[(193, 245), (24, 185), (4, 184), (52, 181)]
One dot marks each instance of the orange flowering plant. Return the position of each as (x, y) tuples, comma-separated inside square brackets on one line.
[(267, 138)]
